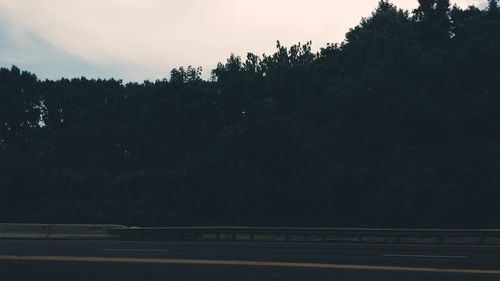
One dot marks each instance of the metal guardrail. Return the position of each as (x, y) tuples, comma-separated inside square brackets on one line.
[(320, 235), (56, 231)]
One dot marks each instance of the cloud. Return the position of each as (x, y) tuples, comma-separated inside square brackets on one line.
[(138, 39)]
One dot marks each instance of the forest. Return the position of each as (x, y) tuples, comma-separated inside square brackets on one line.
[(396, 126)]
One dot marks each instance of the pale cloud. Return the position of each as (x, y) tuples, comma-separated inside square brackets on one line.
[(139, 39)]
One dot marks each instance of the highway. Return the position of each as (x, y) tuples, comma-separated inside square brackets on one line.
[(147, 260)]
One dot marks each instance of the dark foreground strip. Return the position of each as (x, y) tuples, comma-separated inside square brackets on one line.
[(249, 263)]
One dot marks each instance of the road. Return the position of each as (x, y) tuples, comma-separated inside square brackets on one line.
[(133, 260)]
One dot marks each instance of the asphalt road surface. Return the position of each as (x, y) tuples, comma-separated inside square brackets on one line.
[(132, 260)]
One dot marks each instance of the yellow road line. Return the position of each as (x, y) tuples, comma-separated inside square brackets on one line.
[(249, 263)]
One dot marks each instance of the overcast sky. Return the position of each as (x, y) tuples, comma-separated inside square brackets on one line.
[(136, 40)]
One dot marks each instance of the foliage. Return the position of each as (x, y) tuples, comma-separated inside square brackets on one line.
[(396, 126)]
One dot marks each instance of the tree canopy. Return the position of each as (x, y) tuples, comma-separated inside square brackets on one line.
[(396, 126)]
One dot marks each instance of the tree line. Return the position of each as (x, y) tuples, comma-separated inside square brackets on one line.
[(398, 125)]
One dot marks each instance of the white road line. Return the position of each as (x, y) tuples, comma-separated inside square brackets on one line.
[(424, 256), (136, 250)]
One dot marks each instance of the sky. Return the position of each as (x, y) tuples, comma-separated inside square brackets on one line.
[(137, 40)]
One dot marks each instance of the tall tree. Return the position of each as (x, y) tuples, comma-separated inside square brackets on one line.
[(433, 10), (443, 9), (493, 9), (425, 9)]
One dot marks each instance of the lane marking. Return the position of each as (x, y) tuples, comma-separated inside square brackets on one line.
[(249, 263), (424, 256), (136, 250)]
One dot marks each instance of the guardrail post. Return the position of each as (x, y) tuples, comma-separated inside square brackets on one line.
[(49, 229)]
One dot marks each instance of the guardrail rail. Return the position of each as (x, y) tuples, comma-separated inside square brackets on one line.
[(57, 231), (319, 235)]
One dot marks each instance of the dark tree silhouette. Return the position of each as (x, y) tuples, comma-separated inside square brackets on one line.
[(396, 126), (493, 9)]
